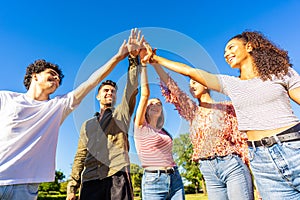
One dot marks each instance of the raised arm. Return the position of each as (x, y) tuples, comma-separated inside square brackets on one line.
[(125, 109), (161, 73), (205, 78), (83, 89), (173, 94), (145, 93)]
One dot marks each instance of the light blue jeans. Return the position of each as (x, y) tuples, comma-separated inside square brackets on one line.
[(162, 186), (227, 178), (27, 191), (276, 170)]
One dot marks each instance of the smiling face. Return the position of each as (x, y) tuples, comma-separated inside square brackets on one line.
[(197, 89), (236, 53), (154, 108), (48, 80), (107, 96), (155, 112)]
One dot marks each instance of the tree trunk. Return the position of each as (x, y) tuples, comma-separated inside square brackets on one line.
[(203, 186)]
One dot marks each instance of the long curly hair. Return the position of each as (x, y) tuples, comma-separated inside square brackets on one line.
[(269, 59), (39, 66)]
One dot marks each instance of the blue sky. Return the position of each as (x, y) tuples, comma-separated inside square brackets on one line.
[(81, 35)]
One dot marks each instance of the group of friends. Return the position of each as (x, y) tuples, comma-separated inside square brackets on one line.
[(254, 139)]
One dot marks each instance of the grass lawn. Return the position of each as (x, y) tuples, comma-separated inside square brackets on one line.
[(189, 197), (195, 197)]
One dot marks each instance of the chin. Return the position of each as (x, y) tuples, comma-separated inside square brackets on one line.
[(196, 95)]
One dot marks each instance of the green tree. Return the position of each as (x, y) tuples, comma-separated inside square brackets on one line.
[(53, 186), (183, 150), (63, 187), (136, 173)]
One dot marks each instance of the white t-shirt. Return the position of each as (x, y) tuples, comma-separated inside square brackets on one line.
[(28, 136), (262, 105)]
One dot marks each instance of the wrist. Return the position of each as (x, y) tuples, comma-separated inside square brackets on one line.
[(118, 57), (133, 60), (153, 59), (131, 56)]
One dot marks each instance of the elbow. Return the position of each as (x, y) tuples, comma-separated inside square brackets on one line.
[(145, 95)]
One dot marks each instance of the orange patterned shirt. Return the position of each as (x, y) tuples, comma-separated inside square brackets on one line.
[(213, 128)]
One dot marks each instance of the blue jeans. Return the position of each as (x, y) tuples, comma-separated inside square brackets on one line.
[(276, 170), (162, 186), (227, 178), (27, 191)]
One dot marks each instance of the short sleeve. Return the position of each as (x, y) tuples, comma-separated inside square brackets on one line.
[(292, 79), (224, 82), (68, 101)]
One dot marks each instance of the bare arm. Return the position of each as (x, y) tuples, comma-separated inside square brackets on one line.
[(161, 72), (83, 89), (205, 78), (295, 95), (145, 93)]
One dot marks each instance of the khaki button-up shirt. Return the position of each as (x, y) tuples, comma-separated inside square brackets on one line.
[(103, 144)]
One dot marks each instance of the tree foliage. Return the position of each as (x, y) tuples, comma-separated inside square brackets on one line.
[(136, 173), (183, 150), (53, 186)]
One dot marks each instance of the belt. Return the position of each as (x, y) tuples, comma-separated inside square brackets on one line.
[(291, 134), (215, 156), (167, 171)]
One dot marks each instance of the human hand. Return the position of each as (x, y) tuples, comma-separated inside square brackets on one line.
[(147, 54), (71, 196), (135, 42), (123, 51)]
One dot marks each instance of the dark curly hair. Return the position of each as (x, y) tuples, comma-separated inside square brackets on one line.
[(268, 58), (39, 66)]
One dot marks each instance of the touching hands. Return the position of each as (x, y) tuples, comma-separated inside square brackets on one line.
[(123, 51), (137, 45), (135, 42), (147, 54)]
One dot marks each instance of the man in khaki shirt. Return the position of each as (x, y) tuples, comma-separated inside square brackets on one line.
[(101, 164)]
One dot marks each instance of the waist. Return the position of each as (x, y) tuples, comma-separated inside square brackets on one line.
[(217, 156), (167, 170), (290, 134), (259, 134)]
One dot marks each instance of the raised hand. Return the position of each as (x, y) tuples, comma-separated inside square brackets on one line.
[(135, 42), (147, 54), (123, 51)]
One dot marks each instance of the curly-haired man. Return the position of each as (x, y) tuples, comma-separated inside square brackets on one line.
[(30, 124)]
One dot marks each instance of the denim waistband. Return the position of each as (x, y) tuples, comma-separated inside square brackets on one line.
[(216, 156), (169, 170), (291, 134)]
